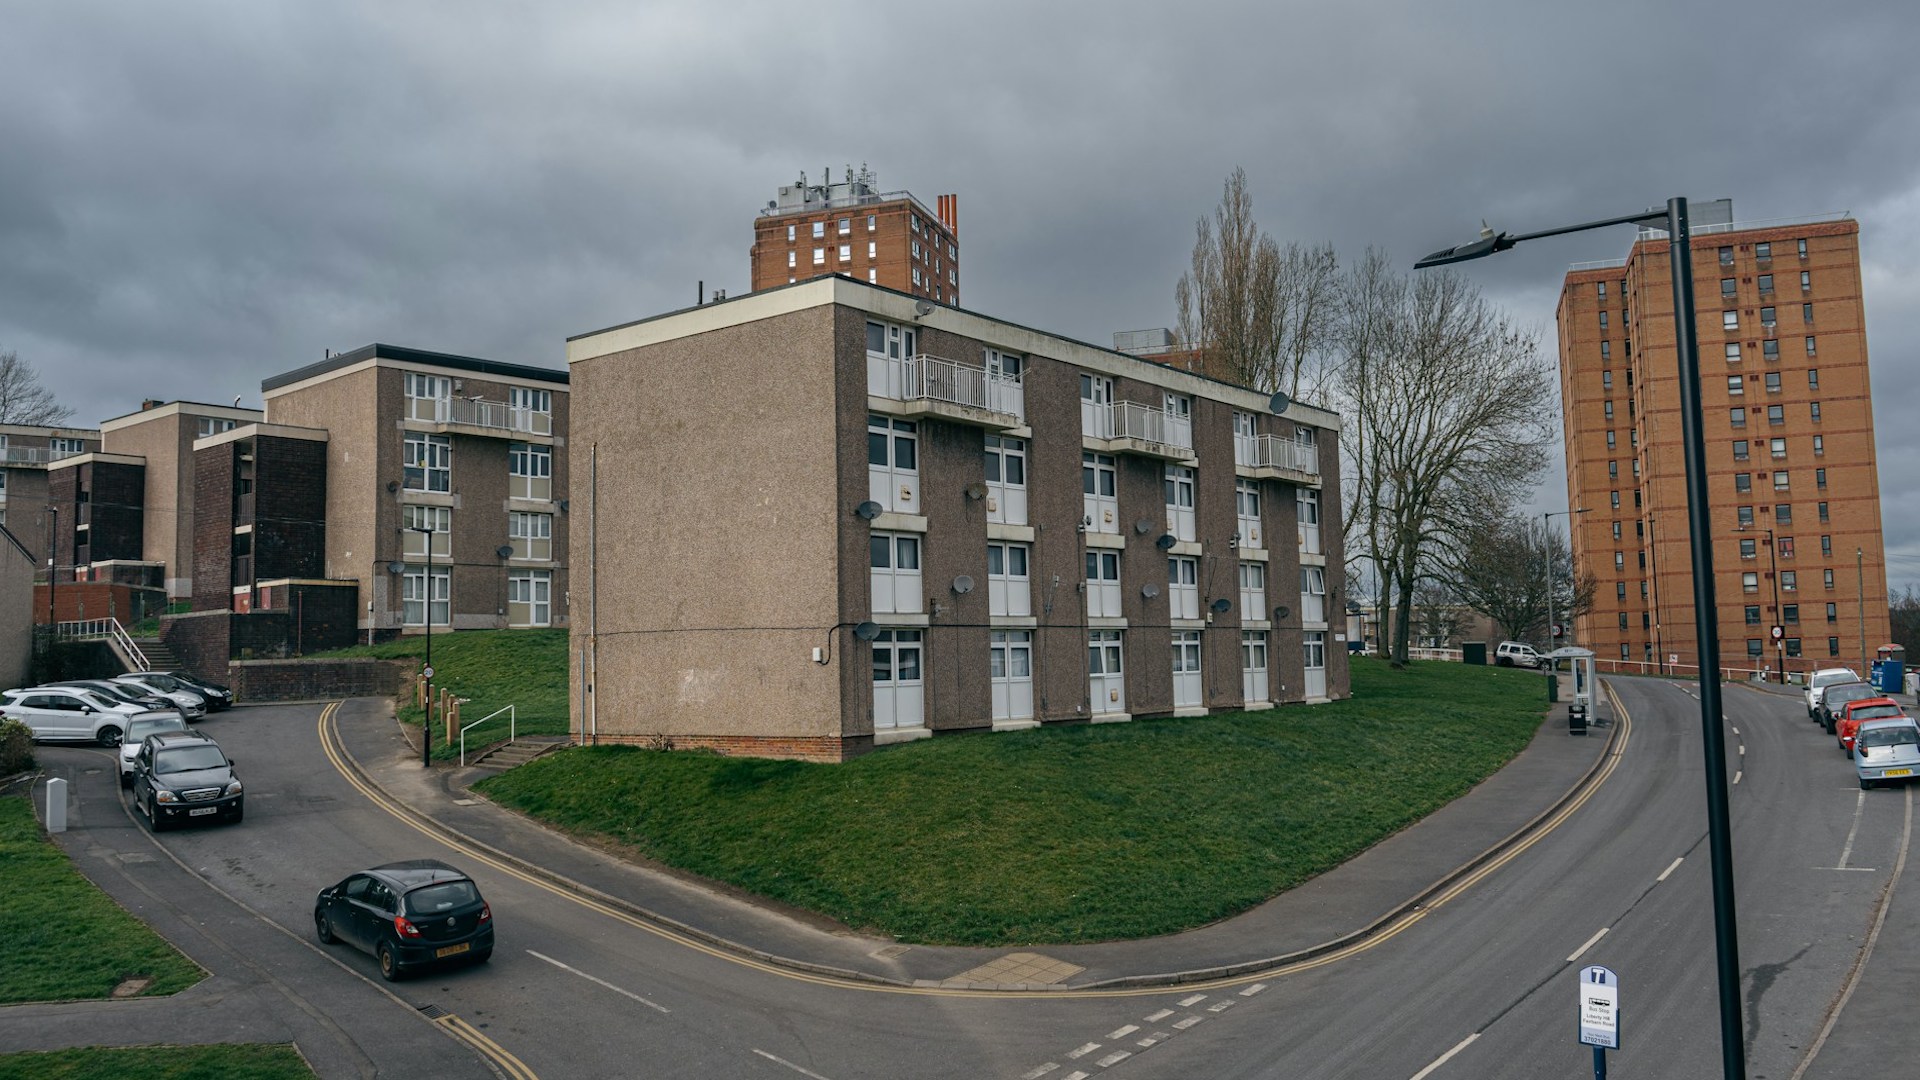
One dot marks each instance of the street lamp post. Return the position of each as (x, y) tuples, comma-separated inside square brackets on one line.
[(1776, 628), (1860, 614), (426, 608), (1706, 617), (53, 578), (1546, 526)]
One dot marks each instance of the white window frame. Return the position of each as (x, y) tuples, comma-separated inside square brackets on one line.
[(1006, 382), (1253, 592), (1106, 671), (1178, 490), (530, 598), (1313, 595), (428, 396), (1179, 410), (530, 471), (1246, 512), (531, 535), (1313, 655), (413, 545), (1099, 491), (890, 348), (1307, 502), (427, 462), (1245, 438), (1103, 583), (1183, 587), (894, 480), (1253, 666), (530, 409), (899, 679), (1009, 579), (1189, 688), (414, 602), (1096, 406), (1010, 669), (894, 563), (1006, 480)]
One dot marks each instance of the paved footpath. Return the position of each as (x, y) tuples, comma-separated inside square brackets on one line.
[(1371, 889)]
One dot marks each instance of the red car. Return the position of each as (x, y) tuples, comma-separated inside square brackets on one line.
[(1873, 708)]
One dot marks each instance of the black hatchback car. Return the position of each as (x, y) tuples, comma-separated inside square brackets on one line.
[(408, 915), (182, 776)]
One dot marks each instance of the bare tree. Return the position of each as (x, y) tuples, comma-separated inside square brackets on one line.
[(1501, 572), (1449, 404), (1438, 615), (1258, 314), (1903, 609), (23, 400)]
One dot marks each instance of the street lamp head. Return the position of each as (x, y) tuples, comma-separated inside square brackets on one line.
[(1488, 243)]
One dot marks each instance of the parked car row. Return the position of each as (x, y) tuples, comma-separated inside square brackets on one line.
[(101, 710), (1873, 730)]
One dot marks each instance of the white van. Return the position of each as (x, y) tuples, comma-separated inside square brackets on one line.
[(1517, 654)]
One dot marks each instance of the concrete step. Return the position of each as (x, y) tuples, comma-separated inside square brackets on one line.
[(507, 756), (159, 657)]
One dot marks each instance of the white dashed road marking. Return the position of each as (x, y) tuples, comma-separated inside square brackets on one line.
[(1190, 1002), (1123, 1032), (1590, 944), (1083, 1051), (1188, 1022), (1252, 990), (790, 1065), (1154, 1018), (1111, 1060), (1444, 1058), (1670, 869)]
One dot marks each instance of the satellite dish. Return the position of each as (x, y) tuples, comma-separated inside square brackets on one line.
[(1149, 590), (1221, 606), (1142, 525), (396, 567), (503, 550), (976, 491), (1280, 613), (868, 510), (1165, 542), (866, 631), (963, 584), (1278, 403)]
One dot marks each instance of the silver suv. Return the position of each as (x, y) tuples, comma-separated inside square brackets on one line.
[(1517, 654), (72, 714)]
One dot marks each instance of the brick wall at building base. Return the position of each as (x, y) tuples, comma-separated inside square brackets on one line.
[(257, 681), (824, 749)]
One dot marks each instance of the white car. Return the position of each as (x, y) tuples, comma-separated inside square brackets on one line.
[(1822, 679), (73, 714), (194, 705), (137, 731), (1517, 654)]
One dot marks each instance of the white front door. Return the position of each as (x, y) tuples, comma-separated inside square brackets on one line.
[(1012, 671), (1096, 406), (899, 692), (1183, 587), (1253, 665), (1186, 669), (1315, 655), (1243, 438), (1309, 505), (889, 348), (1106, 675)]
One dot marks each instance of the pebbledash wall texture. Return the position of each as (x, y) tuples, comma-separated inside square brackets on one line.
[(831, 457)]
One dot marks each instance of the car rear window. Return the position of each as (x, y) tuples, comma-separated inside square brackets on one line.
[(188, 759), (1901, 735), (1877, 712), (140, 729), (444, 896)]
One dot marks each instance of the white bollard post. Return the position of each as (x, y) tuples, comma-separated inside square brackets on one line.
[(56, 805)]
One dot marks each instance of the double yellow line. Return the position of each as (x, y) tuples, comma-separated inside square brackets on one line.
[(512, 1066), (329, 742)]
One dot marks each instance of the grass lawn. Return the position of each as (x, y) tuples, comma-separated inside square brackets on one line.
[(61, 938), (492, 669), (244, 1061), (1067, 834)]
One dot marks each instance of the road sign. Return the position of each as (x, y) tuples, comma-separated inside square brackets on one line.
[(427, 674), (1779, 631), (1558, 630), (1599, 1007)]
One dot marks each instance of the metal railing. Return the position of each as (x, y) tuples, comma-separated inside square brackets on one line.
[(1648, 232), (1279, 452), (1132, 420), (924, 377), (479, 412), (108, 629), (513, 729), (1433, 654), (34, 455)]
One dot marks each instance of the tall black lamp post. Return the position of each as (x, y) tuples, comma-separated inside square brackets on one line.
[(1776, 628), (1706, 618), (426, 720), (53, 577), (1546, 525)]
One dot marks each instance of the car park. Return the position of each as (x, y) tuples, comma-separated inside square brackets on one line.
[(1858, 712), (407, 915), (1835, 697), (138, 729), (218, 696), (1889, 750), (71, 714), (1822, 679), (162, 686), (1517, 654), (181, 776)]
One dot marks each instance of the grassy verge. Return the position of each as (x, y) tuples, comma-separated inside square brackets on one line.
[(245, 1061), (491, 669), (1069, 834), (61, 938)]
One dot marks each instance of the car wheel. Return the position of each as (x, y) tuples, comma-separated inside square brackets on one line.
[(389, 967), (154, 820), (109, 736), (323, 928), (239, 815)]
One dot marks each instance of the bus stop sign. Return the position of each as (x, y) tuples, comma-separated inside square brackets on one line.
[(1599, 1008)]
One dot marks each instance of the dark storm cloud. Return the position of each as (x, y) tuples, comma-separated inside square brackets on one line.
[(195, 196)]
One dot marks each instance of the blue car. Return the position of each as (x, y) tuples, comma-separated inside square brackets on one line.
[(1886, 751)]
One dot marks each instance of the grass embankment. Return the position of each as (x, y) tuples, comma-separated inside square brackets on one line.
[(61, 938), (1063, 834), (254, 1061), (492, 669)]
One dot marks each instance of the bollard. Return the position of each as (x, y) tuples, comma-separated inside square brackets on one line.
[(56, 805)]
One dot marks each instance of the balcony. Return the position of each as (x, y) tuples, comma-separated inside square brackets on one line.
[(920, 386), (478, 416), (1128, 427), (1275, 457), (34, 455)]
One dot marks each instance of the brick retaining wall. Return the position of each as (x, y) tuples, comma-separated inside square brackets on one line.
[(257, 681)]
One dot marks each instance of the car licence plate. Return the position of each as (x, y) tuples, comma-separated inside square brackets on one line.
[(203, 811), (1898, 772), (453, 950)]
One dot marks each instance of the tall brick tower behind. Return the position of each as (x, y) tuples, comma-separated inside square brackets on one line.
[(889, 239)]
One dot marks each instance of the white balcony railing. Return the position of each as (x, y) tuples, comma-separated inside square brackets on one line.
[(34, 455), (481, 413), (1132, 420), (1278, 452), (923, 377)]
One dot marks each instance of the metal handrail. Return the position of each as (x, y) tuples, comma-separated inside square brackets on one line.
[(99, 629), (1279, 452), (480, 412), (513, 729)]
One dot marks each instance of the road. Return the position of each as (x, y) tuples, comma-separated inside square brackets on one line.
[(1481, 984)]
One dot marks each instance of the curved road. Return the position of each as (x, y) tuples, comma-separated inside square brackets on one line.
[(1481, 985)]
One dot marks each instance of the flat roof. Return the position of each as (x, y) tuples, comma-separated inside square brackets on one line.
[(379, 351)]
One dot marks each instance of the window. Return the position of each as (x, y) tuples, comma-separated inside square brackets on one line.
[(1833, 612), (1308, 505), (1606, 380), (1733, 352), (873, 222), (1103, 584), (1739, 449), (1006, 467), (1743, 516), (894, 572), (1096, 406), (211, 426), (1833, 646), (1776, 415), (1097, 486), (438, 519), (1778, 447), (916, 249), (846, 252), (1766, 284), (1780, 480), (1737, 417), (1606, 350), (1726, 256), (1253, 665), (1727, 287), (1806, 281), (1620, 590), (1606, 408), (1613, 470), (1178, 485), (61, 447), (1742, 482), (1783, 546), (1253, 592), (1813, 410), (819, 230), (1730, 320), (1770, 350), (1806, 314), (1614, 498), (1766, 315), (1793, 647), (1011, 670), (427, 396), (899, 686), (1246, 508), (1183, 587), (1823, 512), (1763, 251), (1623, 620), (1610, 441), (819, 256), (427, 462), (790, 233), (1600, 289), (1753, 614), (1603, 320), (1820, 479), (1819, 445), (1616, 530), (1802, 245), (423, 591), (1619, 560), (1789, 581), (1245, 438), (1826, 578), (1106, 677), (529, 471), (793, 260), (531, 535), (873, 250), (1009, 583), (1773, 382), (873, 277), (1813, 377), (1753, 648), (893, 463), (846, 226), (1750, 582), (1810, 349), (1826, 547), (530, 598), (1783, 513), (1313, 595), (916, 277)]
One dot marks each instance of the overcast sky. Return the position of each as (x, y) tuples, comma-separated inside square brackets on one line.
[(195, 196)]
